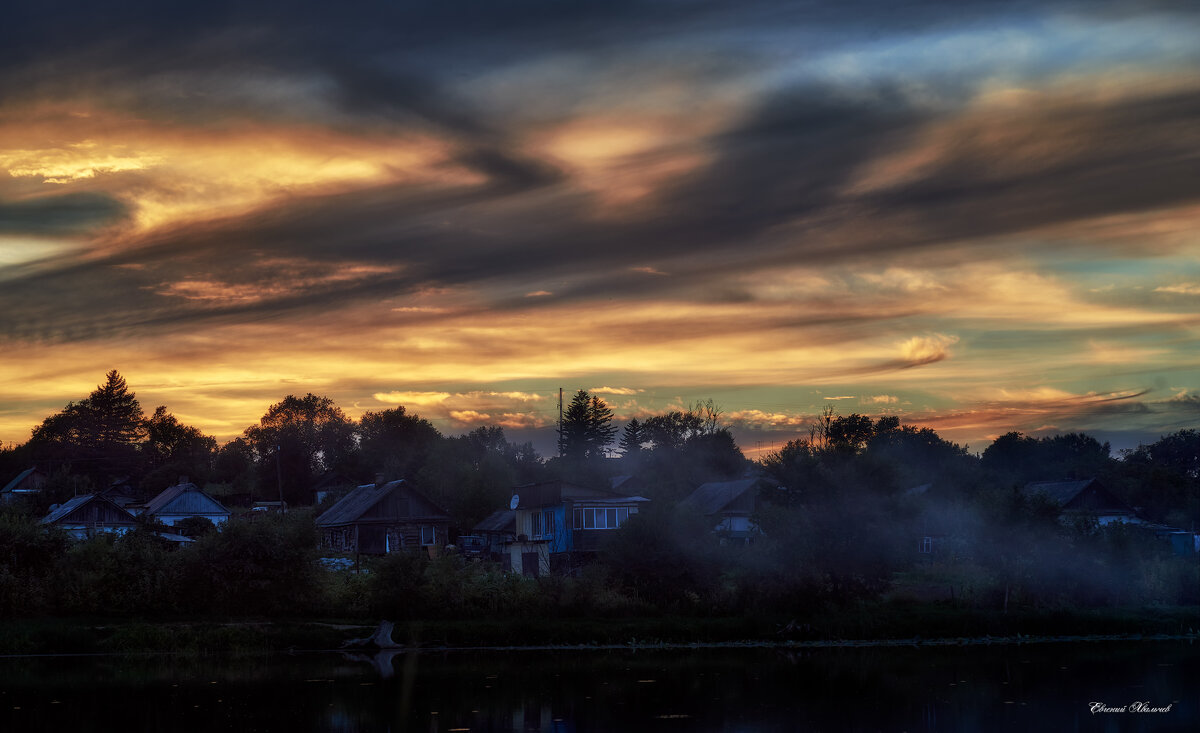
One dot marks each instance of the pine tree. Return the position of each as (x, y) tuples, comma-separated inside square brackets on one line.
[(587, 428), (632, 438)]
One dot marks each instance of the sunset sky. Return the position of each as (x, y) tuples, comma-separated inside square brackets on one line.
[(979, 216)]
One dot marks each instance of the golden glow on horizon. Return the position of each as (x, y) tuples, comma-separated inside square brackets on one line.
[(174, 173)]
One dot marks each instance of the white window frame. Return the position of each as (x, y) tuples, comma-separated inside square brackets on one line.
[(432, 535)]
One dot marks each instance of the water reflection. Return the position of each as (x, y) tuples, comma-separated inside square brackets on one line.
[(1031, 688)]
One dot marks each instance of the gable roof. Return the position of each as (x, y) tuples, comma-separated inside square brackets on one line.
[(66, 508), (16, 483), (352, 506), (1064, 493), (184, 499), (717, 496)]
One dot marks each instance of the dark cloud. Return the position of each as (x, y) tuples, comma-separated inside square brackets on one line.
[(788, 164), (63, 215)]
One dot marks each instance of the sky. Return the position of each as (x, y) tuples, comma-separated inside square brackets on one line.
[(981, 217)]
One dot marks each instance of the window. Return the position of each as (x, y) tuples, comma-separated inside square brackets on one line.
[(601, 517), (428, 535), (535, 524), (548, 522), (927, 545)]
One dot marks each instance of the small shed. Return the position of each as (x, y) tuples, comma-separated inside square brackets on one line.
[(380, 518), (89, 514), (499, 529), (182, 501)]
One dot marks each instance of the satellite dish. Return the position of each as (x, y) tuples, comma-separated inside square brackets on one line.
[(515, 501)]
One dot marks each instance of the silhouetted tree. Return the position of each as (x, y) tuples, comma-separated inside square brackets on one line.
[(394, 443), (98, 436), (173, 449), (586, 429), (631, 439), (310, 435)]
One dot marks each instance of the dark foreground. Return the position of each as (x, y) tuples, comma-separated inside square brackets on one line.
[(1036, 687)]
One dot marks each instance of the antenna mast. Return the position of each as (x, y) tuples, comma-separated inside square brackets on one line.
[(560, 445)]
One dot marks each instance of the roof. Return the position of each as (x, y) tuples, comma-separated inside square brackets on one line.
[(1061, 492), (554, 493), (1064, 493), (353, 505), (504, 520), (12, 485), (63, 510), (717, 496), (184, 499)]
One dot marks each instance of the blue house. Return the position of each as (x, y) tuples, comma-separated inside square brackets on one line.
[(559, 525)]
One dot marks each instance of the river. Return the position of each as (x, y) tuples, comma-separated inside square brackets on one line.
[(1143, 686)]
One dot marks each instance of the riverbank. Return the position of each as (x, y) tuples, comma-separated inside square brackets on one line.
[(877, 623)]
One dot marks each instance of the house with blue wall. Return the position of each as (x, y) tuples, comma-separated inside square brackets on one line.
[(560, 525)]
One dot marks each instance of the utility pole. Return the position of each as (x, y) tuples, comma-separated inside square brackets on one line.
[(560, 444), (279, 476)]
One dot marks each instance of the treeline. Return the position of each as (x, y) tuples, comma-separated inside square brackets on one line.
[(107, 436), (844, 515)]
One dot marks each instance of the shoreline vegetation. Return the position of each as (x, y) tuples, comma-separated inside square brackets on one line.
[(866, 625), (867, 530)]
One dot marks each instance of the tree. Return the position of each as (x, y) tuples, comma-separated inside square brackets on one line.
[(296, 440), (173, 449), (99, 435), (395, 442), (586, 429), (631, 439)]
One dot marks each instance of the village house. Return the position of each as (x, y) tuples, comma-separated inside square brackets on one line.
[(89, 514), (1087, 497), (729, 506), (182, 501), (385, 517), (560, 525), (26, 483)]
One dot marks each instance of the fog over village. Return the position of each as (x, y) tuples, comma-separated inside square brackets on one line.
[(600, 366)]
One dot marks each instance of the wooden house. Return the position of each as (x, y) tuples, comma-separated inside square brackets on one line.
[(182, 501), (26, 483), (729, 506), (380, 518), (560, 524), (89, 514), (1087, 497)]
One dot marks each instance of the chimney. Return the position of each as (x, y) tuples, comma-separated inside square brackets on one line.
[(379, 479), (183, 480)]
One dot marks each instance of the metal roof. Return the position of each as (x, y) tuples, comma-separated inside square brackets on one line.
[(353, 505), (66, 508), (1061, 492), (554, 493), (713, 497), (504, 520), (11, 485), (184, 499)]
